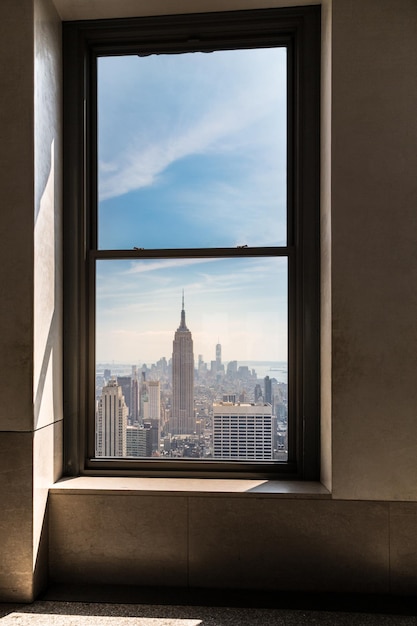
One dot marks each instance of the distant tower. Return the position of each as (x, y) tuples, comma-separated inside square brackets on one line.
[(232, 369), (154, 399), (268, 389), (134, 396), (218, 357), (111, 421), (125, 382), (152, 412), (182, 417)]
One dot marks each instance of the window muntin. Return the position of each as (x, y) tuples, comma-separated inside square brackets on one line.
[(298, 30)]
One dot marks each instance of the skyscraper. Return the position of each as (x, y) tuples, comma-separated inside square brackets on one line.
[(243, 431), (125, 382), (218, 356), (152, 412), (111, 421), (134, 396), (268, 389), (182, 415)]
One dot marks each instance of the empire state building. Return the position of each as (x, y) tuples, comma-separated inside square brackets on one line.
[(182, 417)]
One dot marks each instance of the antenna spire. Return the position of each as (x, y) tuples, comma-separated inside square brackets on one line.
[(183, 325)]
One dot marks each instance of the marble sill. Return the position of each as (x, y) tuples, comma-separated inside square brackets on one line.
[(189, 487)]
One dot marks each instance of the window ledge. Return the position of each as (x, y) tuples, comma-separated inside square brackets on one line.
[(190, 487)]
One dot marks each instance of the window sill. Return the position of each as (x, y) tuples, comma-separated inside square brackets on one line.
[(190, 487)]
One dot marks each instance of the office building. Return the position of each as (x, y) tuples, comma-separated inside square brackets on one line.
[(134, 396), (268, 389), (111, 421), (242, 431), (231, 369), (125, 382), (182, 416), (152, 411), (138, 441)]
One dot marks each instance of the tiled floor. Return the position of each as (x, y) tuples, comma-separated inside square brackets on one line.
[(133, 607)]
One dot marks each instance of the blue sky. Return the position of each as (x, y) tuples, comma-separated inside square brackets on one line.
[(192, 153)]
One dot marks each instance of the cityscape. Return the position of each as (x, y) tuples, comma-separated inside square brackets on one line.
[(182, 408)]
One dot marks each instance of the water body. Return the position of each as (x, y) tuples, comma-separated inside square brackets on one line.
[(273, 369)]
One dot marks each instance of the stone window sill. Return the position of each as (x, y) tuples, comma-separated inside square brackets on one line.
[(190, 487)]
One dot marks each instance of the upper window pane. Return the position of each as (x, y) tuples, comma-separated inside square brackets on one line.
[(192, 150)]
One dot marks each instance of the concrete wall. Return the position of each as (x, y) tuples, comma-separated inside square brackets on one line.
[(31, 302), (374, 268), (363, 536)]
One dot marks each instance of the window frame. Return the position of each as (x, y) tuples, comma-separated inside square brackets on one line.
[(299, 30)]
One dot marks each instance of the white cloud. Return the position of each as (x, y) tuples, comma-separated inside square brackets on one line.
[(164, 264)]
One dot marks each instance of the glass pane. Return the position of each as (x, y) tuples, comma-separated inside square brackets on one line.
[(192, 150), (191, 359)]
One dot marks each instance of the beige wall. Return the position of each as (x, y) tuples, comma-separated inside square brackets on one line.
[(31, 281), (362, 537), (374, 262)]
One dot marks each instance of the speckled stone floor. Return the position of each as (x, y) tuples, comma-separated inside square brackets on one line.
[(93, 614), (139, 608)]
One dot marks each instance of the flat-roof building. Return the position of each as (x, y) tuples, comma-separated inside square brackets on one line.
[(242, 431)]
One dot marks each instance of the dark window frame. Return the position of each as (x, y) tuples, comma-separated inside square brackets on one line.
[(299, 30)]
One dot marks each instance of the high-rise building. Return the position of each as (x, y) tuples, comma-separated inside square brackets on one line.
[(143, 395), (125, 382), (154, 399), (182, 415), (218, 356), (111, 421), (243, 431), (139, 441), (268, 389), (258, 392), (152, 411), (134, 396), (232, 369), (153, 433)]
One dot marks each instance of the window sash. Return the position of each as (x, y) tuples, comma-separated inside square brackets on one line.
[(299, 31)]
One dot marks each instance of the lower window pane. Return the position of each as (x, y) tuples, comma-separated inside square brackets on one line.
[(191, 359)]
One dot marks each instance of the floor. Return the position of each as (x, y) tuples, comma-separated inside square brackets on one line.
[(139, 607)]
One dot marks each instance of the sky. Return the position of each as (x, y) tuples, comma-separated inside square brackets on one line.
[(192, 153)]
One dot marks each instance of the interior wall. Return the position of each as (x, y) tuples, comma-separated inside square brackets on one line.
[(16, 305), (47, 288), (374, 263), (31, 303)]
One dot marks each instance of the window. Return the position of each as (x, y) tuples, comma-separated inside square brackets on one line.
[(191, 244)]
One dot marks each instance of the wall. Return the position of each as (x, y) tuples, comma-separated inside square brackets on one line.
[(374, 269), (31, 309), (47, 288), (362, 537)]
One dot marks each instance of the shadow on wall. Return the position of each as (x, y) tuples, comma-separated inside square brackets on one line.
[(47, 324)]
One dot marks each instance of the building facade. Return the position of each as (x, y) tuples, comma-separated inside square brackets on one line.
[(111, 421), (243, 431)]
